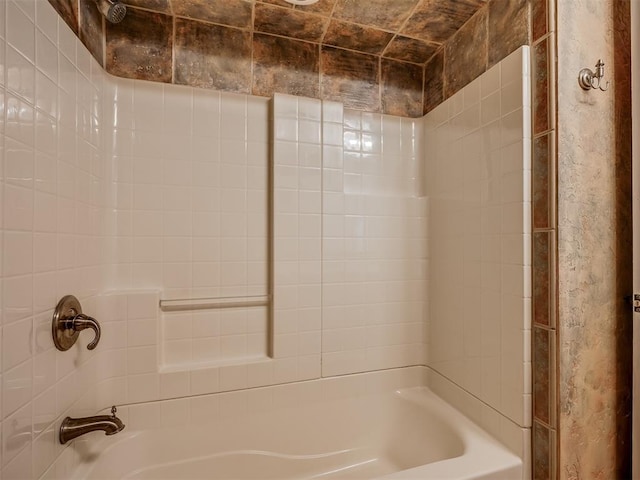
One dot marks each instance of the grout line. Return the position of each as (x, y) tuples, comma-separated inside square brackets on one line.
[(320, 72), (251, 63), (173, 50), (330, 17)]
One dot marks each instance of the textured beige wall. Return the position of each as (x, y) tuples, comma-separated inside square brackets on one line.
[(594, 243)]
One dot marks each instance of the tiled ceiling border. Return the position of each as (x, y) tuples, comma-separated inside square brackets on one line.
[(371, 59), (495, 31)]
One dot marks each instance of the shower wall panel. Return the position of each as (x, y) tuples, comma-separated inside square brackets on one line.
[(374, 245), (191, 188), (191, 173), (115, 190), (54, 209), (297, 250), (478, 185)]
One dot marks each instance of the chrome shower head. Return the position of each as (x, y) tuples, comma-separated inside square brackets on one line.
[(113, 10)]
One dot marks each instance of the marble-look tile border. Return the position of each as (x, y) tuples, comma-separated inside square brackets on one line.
[(544, 458), (226, 54), (545, 231), (156, 46), (496, 30)]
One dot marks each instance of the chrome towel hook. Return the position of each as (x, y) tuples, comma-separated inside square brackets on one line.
[(68, 321), (588, 79)]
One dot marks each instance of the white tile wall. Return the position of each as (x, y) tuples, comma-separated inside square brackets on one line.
[(54, 213), (478, 182), (136, 188), (190, 169), (192, 190), (297, 223), (374, 245), (129, 364)]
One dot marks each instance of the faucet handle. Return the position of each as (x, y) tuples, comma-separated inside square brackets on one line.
[(69, 321), (114, 410), (82, 322)]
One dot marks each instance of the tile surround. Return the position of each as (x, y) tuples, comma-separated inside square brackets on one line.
[(436, 22), (51, 99), (379, 13), (402, 88), (479, 204), (296, 248), (544, 168), (434, 83), (193, 52), (544, 222), (91, 28), (289, 22), (544, 282), (355, 37), (544, 375), (540, 19), (162, 6), (542, 64), (233, 13), (509, 27), (295, 68), (42, 276), (373, 230), (491, 34), (544, 457), (68, 11), (464, 61), (351, 78), (128, 365), (129, 47), (408, 49), (225, 53)]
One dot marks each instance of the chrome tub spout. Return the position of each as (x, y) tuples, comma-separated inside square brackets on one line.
[(74, 427)]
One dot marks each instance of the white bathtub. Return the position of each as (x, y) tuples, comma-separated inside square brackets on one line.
[(406, 433)]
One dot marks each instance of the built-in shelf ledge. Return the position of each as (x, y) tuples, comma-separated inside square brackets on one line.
[(214, 364), (211, 303)]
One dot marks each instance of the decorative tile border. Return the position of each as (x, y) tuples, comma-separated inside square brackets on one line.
[(489, 36), (232, 49), (350, 78), (543, 75), (544, 452), (544, 375), (303, 52), (544, 188), (544, 221), (274, 62), (466, 54), (295, 68), (544, 281)]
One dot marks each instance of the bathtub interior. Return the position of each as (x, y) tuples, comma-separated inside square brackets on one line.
[(368, 436)]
